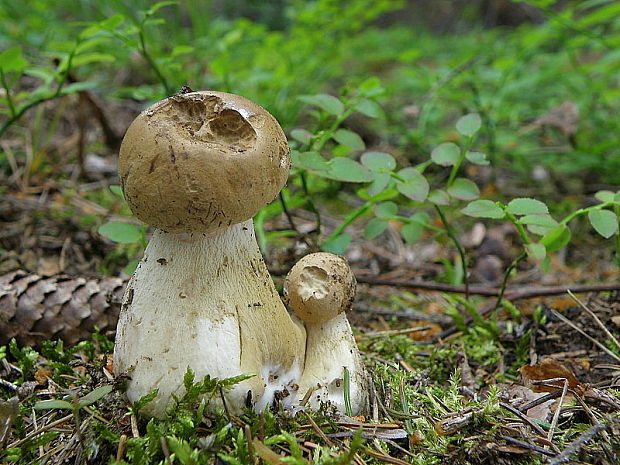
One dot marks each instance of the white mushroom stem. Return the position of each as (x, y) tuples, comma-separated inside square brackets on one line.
[(319, 288), (207, 302), (330, 349)]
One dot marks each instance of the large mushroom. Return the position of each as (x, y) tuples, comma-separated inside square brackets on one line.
[(319, 289), (198, 166)]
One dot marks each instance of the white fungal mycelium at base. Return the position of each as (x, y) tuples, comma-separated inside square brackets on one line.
[(207, 302)]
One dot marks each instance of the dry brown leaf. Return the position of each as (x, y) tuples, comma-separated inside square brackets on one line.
[(550, 369)]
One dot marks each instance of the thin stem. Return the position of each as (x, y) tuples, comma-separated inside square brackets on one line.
[(286, 212), (583, 211), (7, 93), (511, 267), (350, 219), (520, 229), (309, 202), (459, 247), (151, 62), (459, 162)]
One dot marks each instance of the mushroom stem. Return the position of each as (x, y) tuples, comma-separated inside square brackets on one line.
[(319, 289), (330, 348), (206, 301)]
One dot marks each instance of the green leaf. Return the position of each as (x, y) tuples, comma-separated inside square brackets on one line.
[(378, 161), (464, 189), (477, 158), (446, 154), (484, 209), (386, 209), (525, 206), (536, 251), (144, 400), (556, 239), (311, 161), (605, 196), (302, 135), (379, 184), (469, 125), (375, 227), (54, 404), (337, 245), (349, 138), (604, 222), (415, 186), (347, 170), (158, 6), (412, 232), (94, 57), (95, 395), (12, 60), (182, 50), (539, 224), (123, 233), (326, 102), (439, 197), (369, 108), (116, 190), (371, 87)]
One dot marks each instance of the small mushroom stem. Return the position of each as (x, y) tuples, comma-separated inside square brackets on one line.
[(331, 348), (319, 288), (206, 301)]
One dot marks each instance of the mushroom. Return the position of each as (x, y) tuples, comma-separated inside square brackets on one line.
[(198, 166), (319, 288)]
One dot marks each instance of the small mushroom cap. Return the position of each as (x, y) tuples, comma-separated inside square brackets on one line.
[(200, 161), (319, 287)]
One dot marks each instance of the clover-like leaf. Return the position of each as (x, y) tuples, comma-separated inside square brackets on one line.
[(604, 222), (337, 245), (526, 206), (446, 154), (302, 135), (477, 158), (536, 251), (378, 161), (379, 184), (369, 108), (556, 239), (326, 102), (484, 209), (123, 233), (386, 209), (375, 227), (469, 125), (349, 138), (605, 196), (310, 161), (439, 197), (347, 170), (415, 185), (464, 189), (539, 224)]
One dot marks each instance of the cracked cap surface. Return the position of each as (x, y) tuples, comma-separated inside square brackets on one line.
[(200, 161)]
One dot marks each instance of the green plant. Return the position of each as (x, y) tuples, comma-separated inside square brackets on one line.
[(390, 189)]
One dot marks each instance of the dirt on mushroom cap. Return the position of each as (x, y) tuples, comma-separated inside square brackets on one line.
[(199, 161), (319, 287)]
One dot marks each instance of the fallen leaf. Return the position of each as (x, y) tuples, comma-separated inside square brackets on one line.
[(550, 369)]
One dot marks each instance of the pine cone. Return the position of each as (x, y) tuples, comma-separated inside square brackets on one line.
[(35, 308)]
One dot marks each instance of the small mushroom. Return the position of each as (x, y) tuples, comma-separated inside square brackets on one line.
[(319, 289), (198, 166)]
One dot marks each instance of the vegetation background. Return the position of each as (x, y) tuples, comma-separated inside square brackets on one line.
[(469, 149)]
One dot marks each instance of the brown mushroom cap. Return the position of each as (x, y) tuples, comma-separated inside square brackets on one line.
[(203, 160), (319, 287)]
